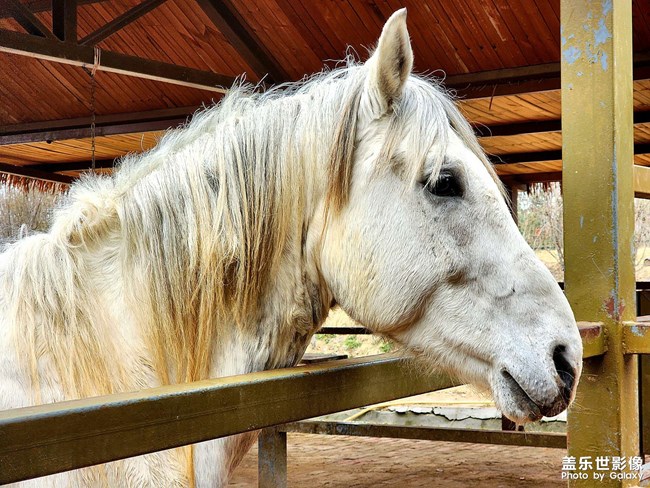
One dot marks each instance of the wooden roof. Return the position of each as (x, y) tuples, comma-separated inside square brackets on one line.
[(502, 56)]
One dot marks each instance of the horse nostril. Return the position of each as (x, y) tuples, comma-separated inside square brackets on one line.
[(565, 371)]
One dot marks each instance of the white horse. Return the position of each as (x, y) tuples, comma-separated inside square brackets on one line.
[(220, 252)]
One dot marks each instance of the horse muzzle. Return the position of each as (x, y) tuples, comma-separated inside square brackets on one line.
[(525, 396)]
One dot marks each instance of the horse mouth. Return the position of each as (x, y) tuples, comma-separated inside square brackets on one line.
[(522, 400)]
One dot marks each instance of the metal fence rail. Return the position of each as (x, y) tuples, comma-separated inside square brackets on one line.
[(47, 439), (426, 433)]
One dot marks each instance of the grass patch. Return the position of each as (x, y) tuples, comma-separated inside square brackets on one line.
[(326, 338), (351, 342)]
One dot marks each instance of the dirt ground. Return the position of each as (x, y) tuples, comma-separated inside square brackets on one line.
[(316, 461)]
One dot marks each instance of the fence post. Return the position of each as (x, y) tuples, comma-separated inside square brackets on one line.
[(597, 154), (272, 459)]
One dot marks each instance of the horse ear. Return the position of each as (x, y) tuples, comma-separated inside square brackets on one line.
[(391, 63)]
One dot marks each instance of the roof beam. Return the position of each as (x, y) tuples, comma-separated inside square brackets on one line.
[(525, 157), (155, 120), (641, 179), (120, 22), (225, 17), (529, 178), (79, 128), (72, 165), (523, 79), (37, 47), (33, 173), (64, 20), (521, 128), (553, 155)]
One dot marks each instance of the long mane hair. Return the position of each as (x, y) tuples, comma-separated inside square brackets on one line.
[(190, 232)]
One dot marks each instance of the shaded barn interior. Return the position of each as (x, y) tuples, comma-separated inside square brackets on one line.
[(160, 60)]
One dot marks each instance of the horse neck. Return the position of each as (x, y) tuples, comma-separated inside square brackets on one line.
[(294, 307), (290, 305)]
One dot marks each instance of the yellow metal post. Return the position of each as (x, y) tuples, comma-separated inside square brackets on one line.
[(597, 149)]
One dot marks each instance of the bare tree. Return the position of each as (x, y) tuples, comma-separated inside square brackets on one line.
[(540, 222), (641, 237), (25, 206)]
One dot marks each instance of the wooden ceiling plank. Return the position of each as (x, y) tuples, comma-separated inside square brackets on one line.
[(310, 32), (451, 40), (225, 17), (270, 33), (208, 37), (519, 34), (536, 30), (120, 22), (27, 45), (499, 34), (483, 50)]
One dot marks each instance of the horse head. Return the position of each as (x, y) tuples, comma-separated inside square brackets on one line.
[(421, 246)]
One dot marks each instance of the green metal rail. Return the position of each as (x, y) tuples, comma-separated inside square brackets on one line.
[(47, 439)]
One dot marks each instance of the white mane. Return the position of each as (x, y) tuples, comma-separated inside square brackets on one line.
[(196, 225)]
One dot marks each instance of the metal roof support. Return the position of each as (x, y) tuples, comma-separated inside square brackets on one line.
[(597, 145)]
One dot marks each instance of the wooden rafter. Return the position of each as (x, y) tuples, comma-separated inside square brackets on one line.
[(79, 128), (33, 173), (521, 128), (64, 20), (225, 17), (641, 179), (155, 120), (72, 166), (524, 79), (553, 155), (120, 22), (37, 47), (25, 18)]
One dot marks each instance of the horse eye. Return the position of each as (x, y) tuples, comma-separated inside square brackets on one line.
[(447, 185)]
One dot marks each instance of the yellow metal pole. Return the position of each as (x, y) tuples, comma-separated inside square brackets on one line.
[(597, 149)]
